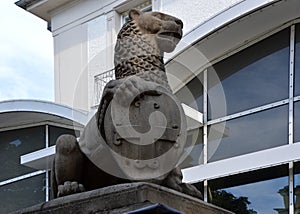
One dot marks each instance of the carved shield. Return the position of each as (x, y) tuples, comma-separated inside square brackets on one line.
[(148, 137)]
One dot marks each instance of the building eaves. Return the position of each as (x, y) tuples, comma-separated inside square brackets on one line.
[(26, 3)]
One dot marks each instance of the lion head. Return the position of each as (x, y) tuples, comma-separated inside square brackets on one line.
[(166, 29), (142, 41)]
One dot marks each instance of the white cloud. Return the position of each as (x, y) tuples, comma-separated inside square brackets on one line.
[(26, 55)]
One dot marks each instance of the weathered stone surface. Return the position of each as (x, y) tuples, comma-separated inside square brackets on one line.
[(139, 131), (123, 198)]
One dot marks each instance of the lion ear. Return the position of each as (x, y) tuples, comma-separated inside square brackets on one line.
[(134, 14)]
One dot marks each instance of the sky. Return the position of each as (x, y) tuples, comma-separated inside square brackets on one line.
[(26, 55)]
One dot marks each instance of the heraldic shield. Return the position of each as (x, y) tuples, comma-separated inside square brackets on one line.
[(146, 138)]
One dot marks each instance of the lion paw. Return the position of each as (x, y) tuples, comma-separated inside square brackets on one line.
[(174, 181), (69, 188)]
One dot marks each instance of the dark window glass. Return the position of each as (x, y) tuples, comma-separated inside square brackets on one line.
[(253, 77), (297, 61), (248, 134), (261, 191), (297, 187), (14, 144), (55, 132), (192, 93), (297, 122), (22, 194), (194, 149)]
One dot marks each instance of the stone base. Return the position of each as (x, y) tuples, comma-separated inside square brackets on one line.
[(124, 198)]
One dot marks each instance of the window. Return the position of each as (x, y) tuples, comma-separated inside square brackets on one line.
[(55, 132), (297, 61), (297, 187), (195, 152), (22, 194), (15, 143), (248, 134), (253, 77), (261, 191), (192, 93)]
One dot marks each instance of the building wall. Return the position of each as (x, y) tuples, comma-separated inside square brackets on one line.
[(194, 13), (84, 35), (247, 151)]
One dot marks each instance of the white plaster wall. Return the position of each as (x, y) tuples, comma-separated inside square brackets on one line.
[(84, 33), (70, 68), (96, 52), (195, 12)]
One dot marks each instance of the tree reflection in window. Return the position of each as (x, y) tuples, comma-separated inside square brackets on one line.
[(261, 191), (232, 203)]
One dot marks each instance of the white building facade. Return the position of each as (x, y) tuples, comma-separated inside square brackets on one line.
[(238, 66)]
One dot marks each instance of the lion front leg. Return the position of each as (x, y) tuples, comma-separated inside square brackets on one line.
[(67, 169)]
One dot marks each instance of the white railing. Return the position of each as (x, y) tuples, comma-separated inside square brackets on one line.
[(100, 81)]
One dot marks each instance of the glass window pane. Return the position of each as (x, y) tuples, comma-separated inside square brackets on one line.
[(194, 149), (192, 93), (15, 143), (297, 122), (297, 61), (22, 194), (262, 191), (297, 187), (248, 134), (253, 77), (55, 132)]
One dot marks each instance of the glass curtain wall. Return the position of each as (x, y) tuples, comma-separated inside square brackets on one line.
[(262, 191), (256, 85), (22, 186)]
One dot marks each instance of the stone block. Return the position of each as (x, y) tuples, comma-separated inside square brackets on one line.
[(125, 198)]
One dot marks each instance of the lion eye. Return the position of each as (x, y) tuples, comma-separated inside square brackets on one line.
[(158, 16)]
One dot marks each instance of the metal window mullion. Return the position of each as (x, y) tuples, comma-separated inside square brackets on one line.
[(248, 112), (291, 188), (291, 85), (47, 189), (205, 130), (291, 116)]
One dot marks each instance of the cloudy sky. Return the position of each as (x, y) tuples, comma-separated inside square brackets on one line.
[(26, 55)]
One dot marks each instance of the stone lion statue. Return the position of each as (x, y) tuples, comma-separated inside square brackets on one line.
[(138, 131)]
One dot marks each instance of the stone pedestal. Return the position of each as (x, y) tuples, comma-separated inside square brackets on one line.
[(126, 198)]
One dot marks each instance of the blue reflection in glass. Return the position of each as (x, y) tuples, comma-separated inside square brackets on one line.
[(263, 191), (16, 143), (264, 196), (297, 187), (253, 77), (248, 134)]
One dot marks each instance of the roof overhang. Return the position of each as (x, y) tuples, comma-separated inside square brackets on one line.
[(22, 113), (42, 8)]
